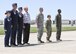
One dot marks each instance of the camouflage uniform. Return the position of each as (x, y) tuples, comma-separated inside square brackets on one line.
[(58, 26), (48, 29), (40, 27)]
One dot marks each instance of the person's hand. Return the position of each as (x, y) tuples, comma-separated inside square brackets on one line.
[(11, 26), (37, 26), (23, 26), (5, 30)]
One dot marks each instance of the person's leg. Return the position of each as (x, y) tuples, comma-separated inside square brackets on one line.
[(48, 35), (28, 33), (12, 34), (19, 36), (40, 33), (13, 38), (6, 39), (7, 36), (58, 33), (25, 34)]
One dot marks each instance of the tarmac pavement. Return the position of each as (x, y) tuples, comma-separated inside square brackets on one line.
[(67, 46)]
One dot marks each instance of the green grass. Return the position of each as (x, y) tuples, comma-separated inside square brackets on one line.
[(1, 31), (34, 29)]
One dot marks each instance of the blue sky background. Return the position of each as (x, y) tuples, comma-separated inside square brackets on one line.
[(50, 7)]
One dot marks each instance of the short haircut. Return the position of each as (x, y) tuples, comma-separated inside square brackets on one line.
[(41, 9), (48, 16), (20, 8), (14, 4), (59, 10)]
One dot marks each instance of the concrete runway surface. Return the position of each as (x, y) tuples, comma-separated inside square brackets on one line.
[(67, 46)]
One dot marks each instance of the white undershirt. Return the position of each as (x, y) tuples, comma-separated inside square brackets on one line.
[(26, 18)]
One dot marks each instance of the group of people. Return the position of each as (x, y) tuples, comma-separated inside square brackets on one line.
[(48, 26), (16, 23)]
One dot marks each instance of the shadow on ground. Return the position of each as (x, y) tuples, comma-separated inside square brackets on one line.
[(54, 42)]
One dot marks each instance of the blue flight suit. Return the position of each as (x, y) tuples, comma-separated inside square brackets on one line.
[(20, 28), (7, 28), (14, 16)]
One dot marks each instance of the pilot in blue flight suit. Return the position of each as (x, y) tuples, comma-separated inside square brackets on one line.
[(20, 27), (7, 28), (14, 16)]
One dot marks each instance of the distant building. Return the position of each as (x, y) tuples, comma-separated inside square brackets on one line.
[(74, 21), (64, 22)]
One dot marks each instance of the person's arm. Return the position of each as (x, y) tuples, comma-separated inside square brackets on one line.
[(46, 24), (56, 19), (30, 18), (23, 20), (11, 19), (5, 24), (18, 17), (37, 19)]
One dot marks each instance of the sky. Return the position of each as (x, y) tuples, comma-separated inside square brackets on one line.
[(68, 7)]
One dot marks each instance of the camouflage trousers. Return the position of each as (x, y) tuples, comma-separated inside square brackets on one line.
[(49, 32), (40, 33)]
